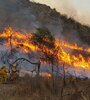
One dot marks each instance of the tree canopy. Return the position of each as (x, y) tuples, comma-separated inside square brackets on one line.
[(43, 37)]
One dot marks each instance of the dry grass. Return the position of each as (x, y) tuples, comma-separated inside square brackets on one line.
[(28, 88)]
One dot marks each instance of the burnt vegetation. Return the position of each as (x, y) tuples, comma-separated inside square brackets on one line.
[(46, 88)]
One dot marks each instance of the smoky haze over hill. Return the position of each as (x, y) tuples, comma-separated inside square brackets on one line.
[(26, 16)]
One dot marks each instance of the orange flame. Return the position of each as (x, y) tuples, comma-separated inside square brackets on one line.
[(72, 60), (71, 46), (18, 40), (24, 43), (49, 75)]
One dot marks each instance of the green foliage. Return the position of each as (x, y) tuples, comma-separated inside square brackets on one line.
[(43, 38)]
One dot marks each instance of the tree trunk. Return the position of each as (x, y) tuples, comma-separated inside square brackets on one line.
[(11, 43), (63, 82), (52, 73), (38, 72)]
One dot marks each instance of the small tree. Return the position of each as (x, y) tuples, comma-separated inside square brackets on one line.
[(43, 38), (46, 44)]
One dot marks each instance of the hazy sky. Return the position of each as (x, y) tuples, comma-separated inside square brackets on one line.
[(79, 9)]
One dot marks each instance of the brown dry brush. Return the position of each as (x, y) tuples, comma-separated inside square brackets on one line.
[(37, 82), (28, 88)]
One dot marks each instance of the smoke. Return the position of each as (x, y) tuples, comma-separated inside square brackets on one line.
[(68, 8), (18, 15), (13, 13)]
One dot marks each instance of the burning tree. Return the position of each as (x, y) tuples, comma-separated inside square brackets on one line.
[(50, 50), (46, 44)]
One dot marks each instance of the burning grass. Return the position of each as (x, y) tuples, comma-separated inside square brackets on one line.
[(24, 43)]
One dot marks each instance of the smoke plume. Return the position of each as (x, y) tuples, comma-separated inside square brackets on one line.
[(68, 8)]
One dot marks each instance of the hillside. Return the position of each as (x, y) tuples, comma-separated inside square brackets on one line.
[(26, 16), (39, 66)]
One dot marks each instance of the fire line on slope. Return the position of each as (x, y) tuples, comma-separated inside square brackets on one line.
[(24, 43)]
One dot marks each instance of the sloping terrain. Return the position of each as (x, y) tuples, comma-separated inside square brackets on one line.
[(26, 16)]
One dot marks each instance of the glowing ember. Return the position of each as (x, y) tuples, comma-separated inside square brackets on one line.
[(46, 75), (23, 42), (49, 75)]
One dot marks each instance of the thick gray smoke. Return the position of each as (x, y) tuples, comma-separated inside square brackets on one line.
[(25, 16), (13, 13), (68, 7)]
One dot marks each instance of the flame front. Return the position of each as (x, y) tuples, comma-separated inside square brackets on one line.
[(24, 43), (18, 40)]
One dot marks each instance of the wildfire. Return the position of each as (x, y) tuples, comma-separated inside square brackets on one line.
[(71, 46), (72, 60), (10, 32), (23, 42), (18, 40), (49, 75)]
